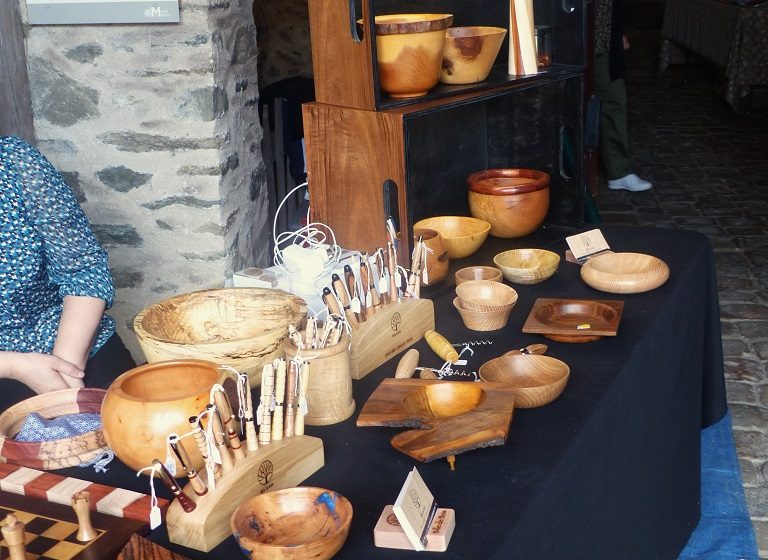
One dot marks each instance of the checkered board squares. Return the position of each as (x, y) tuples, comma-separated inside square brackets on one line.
[(47, 538)]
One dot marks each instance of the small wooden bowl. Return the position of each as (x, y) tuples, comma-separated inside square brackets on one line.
[(147, 403), (486, 295), (537, 379), (469, 53), (54, 454), (240, 327), (514, 201), (462, 235), (442, 400), (292, 524), (527, 266), (468, 273), (409, 50), (624, 273), (482, 320)]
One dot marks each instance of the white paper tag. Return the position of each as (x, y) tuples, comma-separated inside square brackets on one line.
[(368, 300), (355, 304), (587, 244), (460, 363), (303, 409), (384, 284), (155, 518)]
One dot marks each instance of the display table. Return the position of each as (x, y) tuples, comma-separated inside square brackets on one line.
[(611, 469)]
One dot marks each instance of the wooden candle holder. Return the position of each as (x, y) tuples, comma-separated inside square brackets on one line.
[(393, 328), (280, 464)]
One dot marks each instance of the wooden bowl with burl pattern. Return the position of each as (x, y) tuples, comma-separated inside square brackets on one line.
[(463, 235), (469, 53), (624, 273), (292, 524), (514, 201), (538, 380), (527, 266)]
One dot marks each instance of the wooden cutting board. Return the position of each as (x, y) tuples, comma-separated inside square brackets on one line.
[(449, 417)]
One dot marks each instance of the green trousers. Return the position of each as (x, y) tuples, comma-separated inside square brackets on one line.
[(614, 136)]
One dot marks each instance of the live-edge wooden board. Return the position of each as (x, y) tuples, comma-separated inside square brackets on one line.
[(450, 417)]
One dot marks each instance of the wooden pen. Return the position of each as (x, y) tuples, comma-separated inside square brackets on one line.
[(392, 267), (202, 444), (330, 302), (217, 427), (264, 413), (182, 457), (185, 501), (291, 398), (351, 281), (341, 292), (277, 417), (228, 419), (365, 285)]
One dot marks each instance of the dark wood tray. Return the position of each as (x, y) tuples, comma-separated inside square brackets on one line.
[(574, 320)]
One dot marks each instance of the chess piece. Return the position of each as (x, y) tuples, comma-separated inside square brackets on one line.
[(81, 504), (13, 533)]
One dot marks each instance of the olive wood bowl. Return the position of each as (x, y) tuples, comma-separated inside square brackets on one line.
[(486, 295), (463, 235), (527, 266), (537, 379), (624, 273), (482, 320), (292, 524), (468, 273)]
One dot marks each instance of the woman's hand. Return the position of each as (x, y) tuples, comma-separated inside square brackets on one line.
[(42, 373)]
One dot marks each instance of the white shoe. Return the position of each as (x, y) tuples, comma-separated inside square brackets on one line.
[(631, 183)]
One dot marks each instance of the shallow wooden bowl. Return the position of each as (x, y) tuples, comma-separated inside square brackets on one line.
[(409, 50), (624, 273), (468, 273), (537, 379), (442, 400), (147, 403), (469, 53), (514, 201), (527, 266), (577, 321), (294, 523), (53, 454), (486, 295), (482, 320), (463, 235), (240, 327)]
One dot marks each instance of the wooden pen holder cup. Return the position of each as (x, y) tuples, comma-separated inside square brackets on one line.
[(391, 330), (329, 393)]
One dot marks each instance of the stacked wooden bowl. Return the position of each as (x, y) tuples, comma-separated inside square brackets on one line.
[(477, 273), (484, 305)]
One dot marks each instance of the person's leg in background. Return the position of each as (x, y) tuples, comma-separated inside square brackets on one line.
[(614, 132)]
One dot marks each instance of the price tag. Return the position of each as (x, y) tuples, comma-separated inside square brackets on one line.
[(384, 284), (587, 244), (355, 304), (155, 518), (303, 408)]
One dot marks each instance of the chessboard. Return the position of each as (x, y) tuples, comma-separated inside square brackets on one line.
[(51, 529)]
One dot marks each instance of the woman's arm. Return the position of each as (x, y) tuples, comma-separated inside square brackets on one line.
[(40, 372), (79, 321)]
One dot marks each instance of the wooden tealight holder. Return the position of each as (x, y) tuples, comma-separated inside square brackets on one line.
[(276, 465), (392, 329)]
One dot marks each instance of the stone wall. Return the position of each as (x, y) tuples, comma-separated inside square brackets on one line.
[(284, 43), (156, 129)]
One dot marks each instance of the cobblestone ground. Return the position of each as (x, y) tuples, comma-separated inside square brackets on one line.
[(710, 174)]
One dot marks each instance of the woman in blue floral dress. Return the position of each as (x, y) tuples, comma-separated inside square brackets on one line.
[(55, 284)]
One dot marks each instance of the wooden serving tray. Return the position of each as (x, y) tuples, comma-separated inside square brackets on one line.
[(450, 417), (574, 320)]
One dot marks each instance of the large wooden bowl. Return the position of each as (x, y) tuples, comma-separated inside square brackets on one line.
[(53, 454), (477, 273), (409, 50), (240, 327), (292, 524), (486, 295), (624, 273), (463, 235), (514, 201), (482, 320), (537, 379), (469, 53), (147, 403), (527, 266)]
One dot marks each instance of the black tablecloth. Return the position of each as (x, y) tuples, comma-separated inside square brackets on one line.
[(609, 470)]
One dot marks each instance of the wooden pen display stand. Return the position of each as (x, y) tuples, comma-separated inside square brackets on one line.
[(276, 465), (393, 328)]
